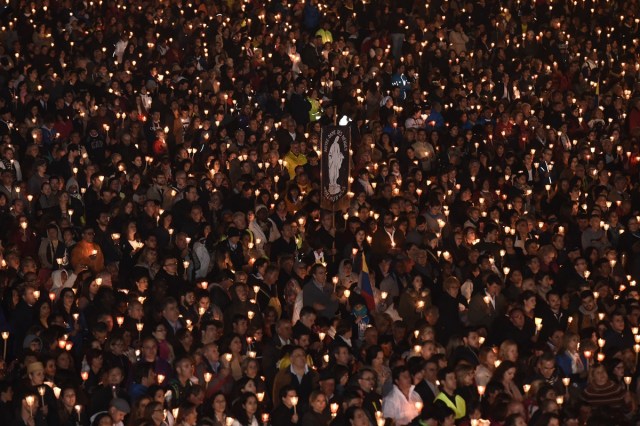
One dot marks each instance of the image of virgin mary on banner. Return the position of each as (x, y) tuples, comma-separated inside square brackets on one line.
[(335, 142)]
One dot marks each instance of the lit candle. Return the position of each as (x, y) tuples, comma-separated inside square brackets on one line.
[(334, 409), (5, 337), (30, 399), (481, 390), (41, 391)]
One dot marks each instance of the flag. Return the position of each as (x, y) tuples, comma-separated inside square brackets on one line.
[(366, 290)]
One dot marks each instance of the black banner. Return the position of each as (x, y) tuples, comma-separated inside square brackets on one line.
[(335, 142)]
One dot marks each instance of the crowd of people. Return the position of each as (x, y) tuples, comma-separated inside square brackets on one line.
[(167, 258)]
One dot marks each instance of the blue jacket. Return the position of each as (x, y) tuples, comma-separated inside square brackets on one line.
[(311, 16), (564, 364)]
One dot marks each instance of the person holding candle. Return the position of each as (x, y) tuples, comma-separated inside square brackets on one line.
[(284, 414), (24, 238), (402, 402), (67, 413), (46, 399), (318, 294), (356, 416), (602, 393), (387, 239), (156, 415), (187, 415), (547, 371), (111, 386), (587, 314), (143, 378), (451, 307), (29, 413), (618, 335), (571, 361), (505, 374), (149, 353), (182, 382), (413, 301), (51, 248), (233, 358), (299, 375), (487, 306), (218, 412), (316, 415), (88, 253), (245, 410)]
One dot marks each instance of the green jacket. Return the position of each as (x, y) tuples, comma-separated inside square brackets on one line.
[(459, 407)]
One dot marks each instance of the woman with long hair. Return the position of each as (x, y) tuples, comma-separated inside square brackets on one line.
[(67, 208), (147, 264), (570, 359), (218, 410), (361, 248), (67, 413), (154, 414), (42, 312), (487, 366), (603, 393), (412, 303), (234, 348), (374, 358), (130, 246), (187, 415), (51, 248), (504, 374), (137, 410), (245, 410), (66, 374), (126, 212)]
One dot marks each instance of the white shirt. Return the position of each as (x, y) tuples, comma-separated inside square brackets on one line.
[(254, 422), (399, 408)]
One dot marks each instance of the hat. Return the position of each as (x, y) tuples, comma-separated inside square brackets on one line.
[(30, 339), (384, 100), (326, 374), (260, 207), (35, 366), (120, 405), (233, 232)]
